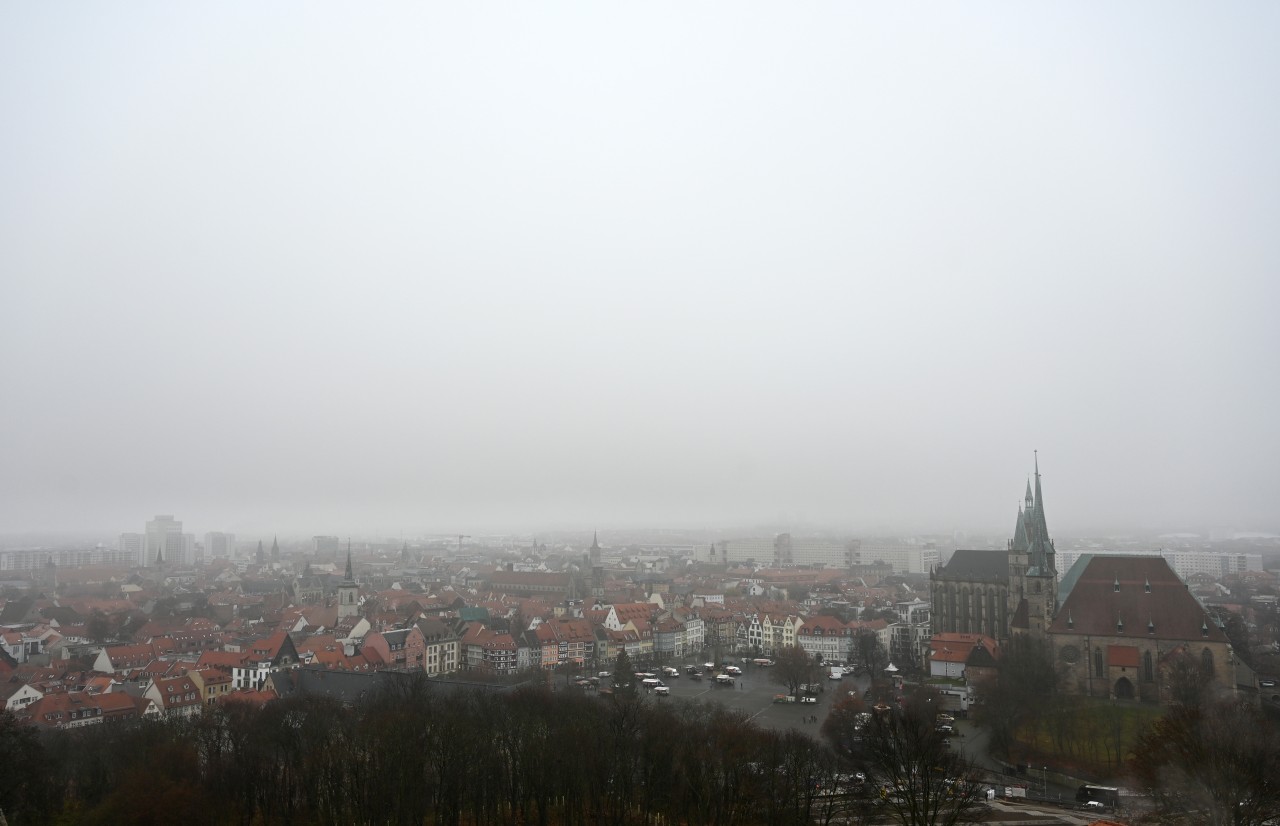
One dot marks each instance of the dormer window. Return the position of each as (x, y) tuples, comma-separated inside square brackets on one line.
[(1071, 623), (1116, 586), (1151, 626), (1147, 586), (1119, 625), (1204, 628)]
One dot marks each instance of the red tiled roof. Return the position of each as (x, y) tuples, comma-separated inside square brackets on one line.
[(1143, 592), (1124, 655)]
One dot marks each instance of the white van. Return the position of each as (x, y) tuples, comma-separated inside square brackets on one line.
[(837, 673)]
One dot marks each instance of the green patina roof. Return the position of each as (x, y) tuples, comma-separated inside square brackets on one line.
[(1070, 578)]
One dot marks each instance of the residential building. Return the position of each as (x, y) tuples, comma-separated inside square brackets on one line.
[(164, 541), (827, 637), (175, 696), (219, 545)]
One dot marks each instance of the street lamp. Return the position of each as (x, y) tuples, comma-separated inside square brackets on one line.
[(1044, 779)]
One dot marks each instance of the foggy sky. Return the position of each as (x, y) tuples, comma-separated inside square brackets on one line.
[(329, 267)]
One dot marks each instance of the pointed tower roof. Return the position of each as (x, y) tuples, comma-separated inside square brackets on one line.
[(1038, 528), (1040, 501), (275, 548), (1020, 540), (595, 540), (350, 577)]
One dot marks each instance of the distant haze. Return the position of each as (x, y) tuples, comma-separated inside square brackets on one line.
[(330, 267)]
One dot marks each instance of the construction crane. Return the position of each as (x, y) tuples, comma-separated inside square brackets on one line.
[(461, 537)]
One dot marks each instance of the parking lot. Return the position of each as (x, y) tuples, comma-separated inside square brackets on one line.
[(753, 693)]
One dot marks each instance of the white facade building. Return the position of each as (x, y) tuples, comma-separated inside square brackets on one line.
[(163, 538), (219, 545), (905, 559), (1216, 564)]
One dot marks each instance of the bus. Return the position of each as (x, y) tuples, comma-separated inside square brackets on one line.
[(1106, 795)]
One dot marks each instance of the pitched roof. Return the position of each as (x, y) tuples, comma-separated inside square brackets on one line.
[(1134, 595), (966, 564), (1125, 655)]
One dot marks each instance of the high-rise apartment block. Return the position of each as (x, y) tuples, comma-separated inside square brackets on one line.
[(219, 545), (164, 541)]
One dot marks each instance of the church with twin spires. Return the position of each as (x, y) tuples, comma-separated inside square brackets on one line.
[(1001, 593), (1114, 624)]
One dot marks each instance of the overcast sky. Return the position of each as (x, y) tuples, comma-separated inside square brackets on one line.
[(333, 267)]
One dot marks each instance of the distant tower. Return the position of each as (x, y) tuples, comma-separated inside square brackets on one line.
[(597, 568), (261, 558), (348, 591), (275, 549)]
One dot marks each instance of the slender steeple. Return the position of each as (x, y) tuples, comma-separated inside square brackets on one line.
[(1040, 500), (348, 591), (261, 558), (1020, 542), (275, 549)]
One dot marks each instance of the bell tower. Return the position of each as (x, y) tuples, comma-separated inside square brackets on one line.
[(348, 591)]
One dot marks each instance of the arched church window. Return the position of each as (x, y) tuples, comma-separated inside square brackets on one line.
[(1206, 662), (1097, 662), (1148, 673)]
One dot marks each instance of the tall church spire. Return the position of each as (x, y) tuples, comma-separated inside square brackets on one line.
[(1039, 495), (275, 549), (348, 591)]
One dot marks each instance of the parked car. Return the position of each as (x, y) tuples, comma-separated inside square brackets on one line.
[(733, 669), (661, 691)]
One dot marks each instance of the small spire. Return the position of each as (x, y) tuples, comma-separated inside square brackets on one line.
[(350, 578)]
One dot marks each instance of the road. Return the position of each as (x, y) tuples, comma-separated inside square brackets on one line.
[(753, 694)]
